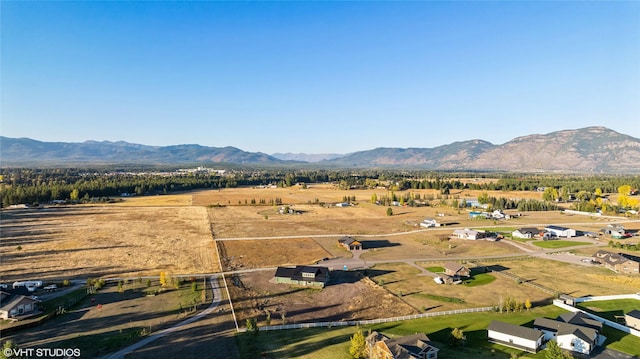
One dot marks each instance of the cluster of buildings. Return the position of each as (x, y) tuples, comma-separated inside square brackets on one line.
[(575, 332)]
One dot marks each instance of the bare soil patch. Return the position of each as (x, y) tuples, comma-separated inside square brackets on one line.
[(350, 296), (269, 252), (81, 241)]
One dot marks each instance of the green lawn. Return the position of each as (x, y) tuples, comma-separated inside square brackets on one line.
[(439, 298), (609, 309), (479, 279), (332, 343), (435, 269), (553, 244)]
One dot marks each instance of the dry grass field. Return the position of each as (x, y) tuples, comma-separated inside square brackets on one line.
[(575, 280), (81, 241), (180, 199), (421, 292), (270, 253), (348, 297)]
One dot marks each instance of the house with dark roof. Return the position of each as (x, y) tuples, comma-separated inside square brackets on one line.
[(618, 262), (415, 346), (572, 331), (576, 338), (581, 319), (633, 319), (456, 270), (515, 336), (561, 231), (527, 232), (350, 244), (308, 276), (14, 305)]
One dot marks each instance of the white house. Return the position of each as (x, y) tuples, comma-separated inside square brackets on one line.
[(515, 336), (525, 233), (468, 234), (576, 338), (428, 222), (561, 231)]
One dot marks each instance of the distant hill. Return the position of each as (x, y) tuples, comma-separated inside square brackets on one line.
[(306, 157), (26, 151), (586, 150), (591, 150)]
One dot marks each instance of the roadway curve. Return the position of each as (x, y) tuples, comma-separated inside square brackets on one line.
[(214, 303)]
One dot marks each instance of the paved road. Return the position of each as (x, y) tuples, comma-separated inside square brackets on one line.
[(214, 303)]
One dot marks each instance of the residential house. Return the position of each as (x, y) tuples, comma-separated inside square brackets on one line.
[(343, 204), (14, 305), (515, 336), (575, 337), (350, 244), (416, 346), (527, 232), (618, 262), (498, 214), (561, 231), (456, 270), (633, 319), (614, 230), (581, 319), (308, 276), (468, 234), (429, 222)]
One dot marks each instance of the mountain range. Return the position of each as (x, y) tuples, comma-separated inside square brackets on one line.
[(586, 150)]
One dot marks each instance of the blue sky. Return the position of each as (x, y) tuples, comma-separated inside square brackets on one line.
[(316, 77)]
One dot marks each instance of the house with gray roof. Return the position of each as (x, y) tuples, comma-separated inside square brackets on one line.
[(415, 346), (515, 336), (13, 305), (308, 276)]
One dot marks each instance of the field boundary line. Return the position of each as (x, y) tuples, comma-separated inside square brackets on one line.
[(372, 321)]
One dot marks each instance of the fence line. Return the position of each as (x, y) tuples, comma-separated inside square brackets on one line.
[(526, 282), (608, 297), (372, 321)]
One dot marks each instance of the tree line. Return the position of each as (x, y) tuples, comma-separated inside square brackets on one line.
[(43, 185)]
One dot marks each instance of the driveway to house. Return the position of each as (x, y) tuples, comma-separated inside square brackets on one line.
[(602, 353), (214, 303)]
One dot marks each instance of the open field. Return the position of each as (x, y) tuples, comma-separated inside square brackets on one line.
[(178, 199), (422, 293), (577, 281), (270, 252), (83, 241), (234, 218), (436, 244), (348, 297)]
